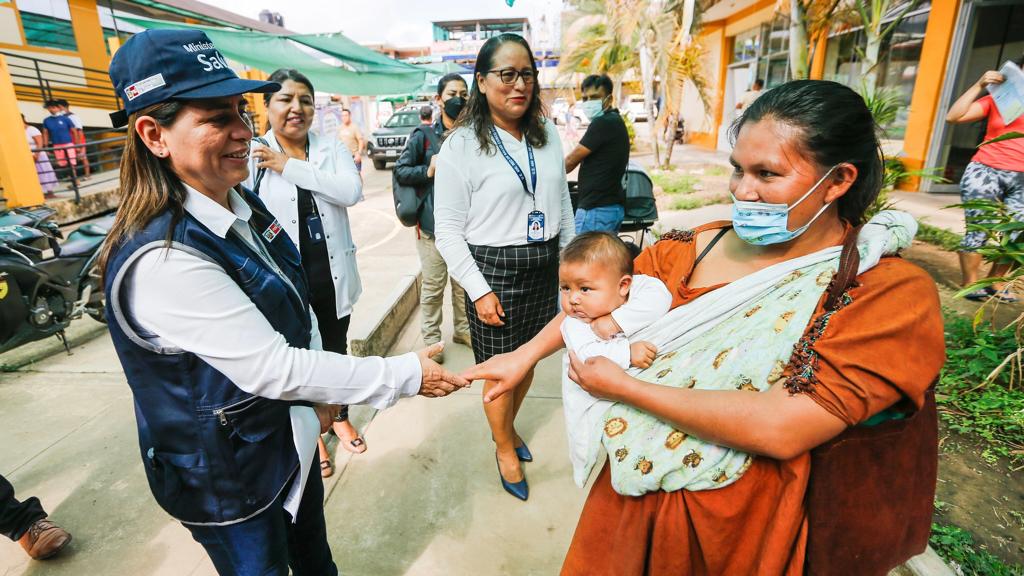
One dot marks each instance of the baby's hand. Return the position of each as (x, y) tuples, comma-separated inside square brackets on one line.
[(605, 327), (642, 354)]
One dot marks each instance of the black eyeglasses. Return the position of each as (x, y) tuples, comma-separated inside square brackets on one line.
[(510, 75)]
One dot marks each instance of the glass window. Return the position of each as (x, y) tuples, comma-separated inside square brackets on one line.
[(897, 67), (746, 45), (47, 23)]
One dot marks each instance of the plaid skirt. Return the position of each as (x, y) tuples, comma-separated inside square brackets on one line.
[(525, 280)]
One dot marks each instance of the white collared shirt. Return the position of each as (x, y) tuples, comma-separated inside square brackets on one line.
[(479, 200), (192, 304)]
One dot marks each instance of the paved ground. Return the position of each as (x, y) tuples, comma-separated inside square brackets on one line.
[(427, 486), (424, 500)]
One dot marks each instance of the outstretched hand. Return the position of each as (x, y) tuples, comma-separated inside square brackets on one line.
[(436, 381), (505, 370)]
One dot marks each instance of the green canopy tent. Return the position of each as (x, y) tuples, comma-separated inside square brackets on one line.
[(371, 74)]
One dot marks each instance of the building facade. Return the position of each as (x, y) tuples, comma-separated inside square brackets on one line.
[(936, 50)]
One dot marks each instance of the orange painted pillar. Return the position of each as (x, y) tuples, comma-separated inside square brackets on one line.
[(711, 35), (85, 21), (17, 169), (931, 72)]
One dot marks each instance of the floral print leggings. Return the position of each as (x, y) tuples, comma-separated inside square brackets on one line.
[(981, 182)]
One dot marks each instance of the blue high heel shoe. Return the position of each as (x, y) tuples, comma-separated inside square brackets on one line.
[(519, 489), (523, 452)]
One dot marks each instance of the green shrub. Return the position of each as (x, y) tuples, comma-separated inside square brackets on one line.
[(956, 546), (938, 237), (969, 402)]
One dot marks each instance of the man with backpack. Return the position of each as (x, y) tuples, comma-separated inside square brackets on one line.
[(415, 169)]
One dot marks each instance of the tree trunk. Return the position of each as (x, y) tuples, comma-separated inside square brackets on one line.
[(869, 67), (617, 91), (673, 120), (798, 42), (647, 81)]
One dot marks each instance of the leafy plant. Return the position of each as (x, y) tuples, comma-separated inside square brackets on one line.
[(895, 172), (939, 237), (976, 391), (883, 102), (956, 546), (1001, 137)]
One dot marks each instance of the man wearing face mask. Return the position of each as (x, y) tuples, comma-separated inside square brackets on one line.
[(604, 153), (415, 167)]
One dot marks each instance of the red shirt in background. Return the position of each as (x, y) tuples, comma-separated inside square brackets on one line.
[(1005, 155)]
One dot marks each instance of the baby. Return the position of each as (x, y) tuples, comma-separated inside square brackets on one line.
[(601, 297)]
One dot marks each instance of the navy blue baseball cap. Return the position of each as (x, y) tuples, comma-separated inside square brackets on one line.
[(159, 65)]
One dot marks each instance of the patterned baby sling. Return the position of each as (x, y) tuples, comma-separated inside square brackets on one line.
[(739, 337)]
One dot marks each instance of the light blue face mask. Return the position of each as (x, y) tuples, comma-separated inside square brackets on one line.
[(592, 108), (761, 224)]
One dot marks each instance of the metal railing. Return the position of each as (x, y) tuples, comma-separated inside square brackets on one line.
[(42, 79), (77, 163)]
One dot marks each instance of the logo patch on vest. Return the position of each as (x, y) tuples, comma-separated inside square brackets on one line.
[(272, 231)]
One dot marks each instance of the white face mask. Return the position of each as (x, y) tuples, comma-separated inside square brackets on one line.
[(592, 108), (761, 223)]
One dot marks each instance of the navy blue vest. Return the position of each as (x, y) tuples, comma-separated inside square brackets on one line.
[(213, 453)]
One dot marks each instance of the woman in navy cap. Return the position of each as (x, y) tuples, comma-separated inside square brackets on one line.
[(209, 313)]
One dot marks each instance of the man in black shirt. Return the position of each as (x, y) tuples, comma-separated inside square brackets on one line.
[(604, 152)]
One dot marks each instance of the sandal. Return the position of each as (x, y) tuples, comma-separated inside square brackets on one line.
[(1005, 297), (326, 470), (979, 295)]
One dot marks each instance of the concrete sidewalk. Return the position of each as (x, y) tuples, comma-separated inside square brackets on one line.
[(424, 499)]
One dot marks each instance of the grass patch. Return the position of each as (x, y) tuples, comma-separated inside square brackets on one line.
[(956, 546), (991, 411), (691, 202), (675, 182), (717, 171), (939, 237)]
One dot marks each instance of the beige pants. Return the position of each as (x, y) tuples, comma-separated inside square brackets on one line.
[(435, 276)]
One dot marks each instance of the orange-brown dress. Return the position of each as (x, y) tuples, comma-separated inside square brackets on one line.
[(885, 344)]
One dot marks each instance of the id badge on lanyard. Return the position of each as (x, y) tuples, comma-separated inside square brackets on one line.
[(535, 225), (316, 228)]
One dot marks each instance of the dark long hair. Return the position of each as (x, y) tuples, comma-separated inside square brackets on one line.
[(477, 115), (834, 126), (148, 185)]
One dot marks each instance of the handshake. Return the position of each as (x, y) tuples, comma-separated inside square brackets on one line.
[(435, 382)]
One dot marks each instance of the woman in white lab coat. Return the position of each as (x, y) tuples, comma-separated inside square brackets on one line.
[(308, 182)]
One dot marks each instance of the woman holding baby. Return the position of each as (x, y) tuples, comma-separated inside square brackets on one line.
[(765, 355), (502, 212)]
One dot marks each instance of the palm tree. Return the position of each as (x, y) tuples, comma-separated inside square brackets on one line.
[(651, 37), (808, 19), (872, 13), (602, 40)]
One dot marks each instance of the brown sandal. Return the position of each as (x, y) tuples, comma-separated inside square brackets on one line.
[(326, 470)]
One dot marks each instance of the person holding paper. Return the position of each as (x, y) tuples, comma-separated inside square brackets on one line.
[(996, 172)]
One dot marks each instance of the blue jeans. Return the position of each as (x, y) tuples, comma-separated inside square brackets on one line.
[(268, 543), (602, 218)]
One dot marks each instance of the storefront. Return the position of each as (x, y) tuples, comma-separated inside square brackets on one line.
[(933, 53), (987, 34)]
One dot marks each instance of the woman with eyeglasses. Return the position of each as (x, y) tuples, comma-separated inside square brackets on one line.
[(502, 212)]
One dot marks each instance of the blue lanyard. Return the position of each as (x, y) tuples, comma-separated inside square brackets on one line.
[(515, 165)]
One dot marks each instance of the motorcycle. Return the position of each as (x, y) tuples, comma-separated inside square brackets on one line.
[(44, 283)]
